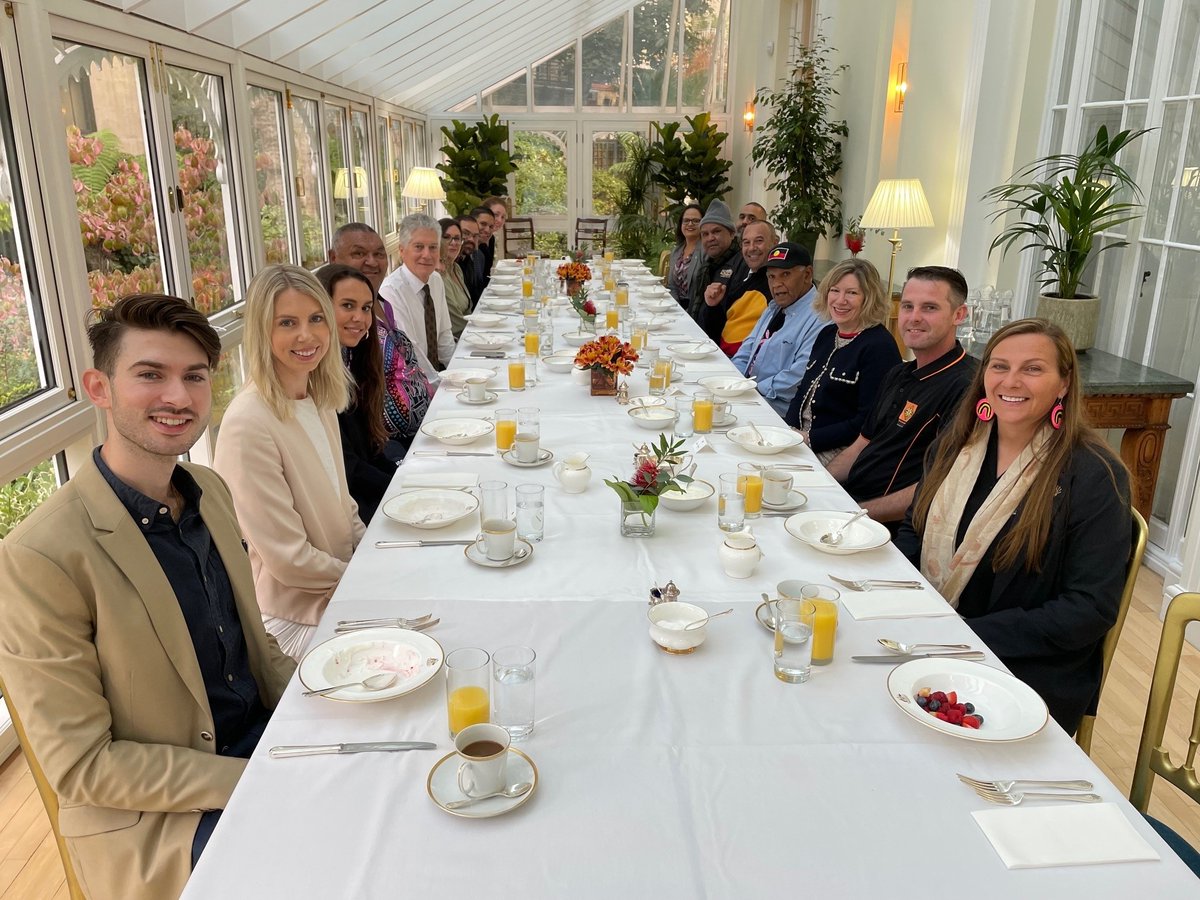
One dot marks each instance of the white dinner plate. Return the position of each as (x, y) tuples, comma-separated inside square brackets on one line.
[(489, 340), (458, 377), (442, 786), (456, 432), (430, 508), (415, 657), (1011, 709), (865, 534)]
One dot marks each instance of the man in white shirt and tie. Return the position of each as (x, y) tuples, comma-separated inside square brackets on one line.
[(417, 295)]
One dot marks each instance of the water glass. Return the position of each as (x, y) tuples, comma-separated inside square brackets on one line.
[(793, 639), (493, 500), (527, 445), (731, 507), (467, 700), (531, 512), (513, 690), (683, 425)]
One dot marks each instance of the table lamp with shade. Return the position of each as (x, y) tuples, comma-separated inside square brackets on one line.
[(897, 203), (423, 184)]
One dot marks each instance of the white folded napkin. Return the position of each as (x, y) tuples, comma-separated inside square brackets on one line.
[(894, 604), (1071, 834)]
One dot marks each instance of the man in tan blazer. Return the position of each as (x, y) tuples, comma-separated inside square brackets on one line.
[(130, 641)]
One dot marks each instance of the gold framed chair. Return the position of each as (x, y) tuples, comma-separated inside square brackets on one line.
[(1083, 734), (590, 231), (1154, 759), (49, 797)]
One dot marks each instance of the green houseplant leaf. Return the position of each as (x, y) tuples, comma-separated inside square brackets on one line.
[(477, 163)]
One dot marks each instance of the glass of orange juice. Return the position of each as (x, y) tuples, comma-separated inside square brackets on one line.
[(622, 294), (527, 286), (663, 367), (467, 699), (531, 339), (516, 374), (702, 411), (506, 428), (608, 255), (750, 486), (612, 318)]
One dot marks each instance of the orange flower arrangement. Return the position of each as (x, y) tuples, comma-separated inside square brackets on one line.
[(609, 353), (574, 271)]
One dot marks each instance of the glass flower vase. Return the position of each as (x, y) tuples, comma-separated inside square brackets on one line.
[(635, 521)]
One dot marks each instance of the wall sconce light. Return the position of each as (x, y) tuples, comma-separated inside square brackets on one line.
[(901, 85), (749, 115)]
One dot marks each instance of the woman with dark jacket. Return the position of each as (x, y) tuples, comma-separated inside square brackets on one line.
[(848, 361), (686, 256), (1022, 520)]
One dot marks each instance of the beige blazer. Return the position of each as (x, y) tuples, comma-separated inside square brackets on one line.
[(100, 666), (301, 531)]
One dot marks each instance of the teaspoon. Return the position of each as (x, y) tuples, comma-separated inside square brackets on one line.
[(378, 682), (516, 790)]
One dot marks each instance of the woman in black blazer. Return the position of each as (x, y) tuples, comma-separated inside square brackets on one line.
[(1022, 520), (848, 361)]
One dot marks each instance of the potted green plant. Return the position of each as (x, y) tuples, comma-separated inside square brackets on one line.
[(800, 145), (690, 166), (1060, 204), (640, 231), (477, 163)]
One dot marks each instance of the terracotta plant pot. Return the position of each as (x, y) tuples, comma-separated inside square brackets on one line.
[(604, 383)]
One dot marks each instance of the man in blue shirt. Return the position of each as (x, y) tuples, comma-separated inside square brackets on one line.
[(776, 351)]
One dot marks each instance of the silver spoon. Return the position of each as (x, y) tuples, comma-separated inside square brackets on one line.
[(516, 790), (758, 438), (380, 681), (833, 538), (897, 647), (693, 625)]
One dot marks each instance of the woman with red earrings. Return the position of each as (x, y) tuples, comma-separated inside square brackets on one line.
[(1022, 520)]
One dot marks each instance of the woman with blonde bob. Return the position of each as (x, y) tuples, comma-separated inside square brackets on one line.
[(848, 362), (280, 450), (1022, 520)]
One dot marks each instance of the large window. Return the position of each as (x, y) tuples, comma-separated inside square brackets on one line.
[(306, 151), (274, 221)]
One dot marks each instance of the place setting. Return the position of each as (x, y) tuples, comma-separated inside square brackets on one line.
[(504, 539), (489, 340), (370, 666), (523, 448)]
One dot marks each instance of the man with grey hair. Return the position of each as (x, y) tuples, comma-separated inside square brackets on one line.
[(359, 246), (417, 296)]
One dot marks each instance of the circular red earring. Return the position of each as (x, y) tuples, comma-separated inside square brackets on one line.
[(1056, 414), (983, 409)]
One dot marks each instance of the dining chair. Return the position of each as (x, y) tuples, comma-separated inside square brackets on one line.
[(664, 260), (518, 237), (1083, 734), (48, 795), (589, 231), (1153, 758)]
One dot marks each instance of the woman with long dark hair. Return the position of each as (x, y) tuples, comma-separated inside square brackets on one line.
[(686, 258)]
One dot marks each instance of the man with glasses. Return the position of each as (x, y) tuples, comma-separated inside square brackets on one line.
[(467, 257)]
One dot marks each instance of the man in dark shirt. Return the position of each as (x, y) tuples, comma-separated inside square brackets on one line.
[(485, 255), (722, 259), (882, 467), (131, 644), (468, 259), (731, 308)]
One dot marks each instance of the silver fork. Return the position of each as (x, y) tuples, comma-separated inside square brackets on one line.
[(1016, 798), (419, 626), (872, 584), (394, 621), (1004, 786)]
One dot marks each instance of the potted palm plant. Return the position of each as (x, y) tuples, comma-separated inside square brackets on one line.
[(1061, 205)]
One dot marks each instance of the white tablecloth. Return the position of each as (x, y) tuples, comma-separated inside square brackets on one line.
[(661, 776)]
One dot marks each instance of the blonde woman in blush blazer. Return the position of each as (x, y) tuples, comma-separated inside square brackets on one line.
[(280, 450)]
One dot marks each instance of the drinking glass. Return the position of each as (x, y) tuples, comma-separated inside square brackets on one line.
[(622, 295), (702, 411), (506, 428), (750, 486), (793, 639), (531, 512), (531, 368), (731, 508), (683, 425), (493, 500), (825, 601), (467, 701), (529, 434), (516, 374), (513, 690)]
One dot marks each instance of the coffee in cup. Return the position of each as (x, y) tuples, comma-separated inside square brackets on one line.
[(483, 750)]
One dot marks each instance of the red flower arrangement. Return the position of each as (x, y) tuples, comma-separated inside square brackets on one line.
[(574, 271)]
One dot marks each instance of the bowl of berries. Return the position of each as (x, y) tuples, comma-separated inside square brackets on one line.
[(967, 700)]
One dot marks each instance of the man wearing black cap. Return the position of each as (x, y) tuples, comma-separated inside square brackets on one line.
[(776, 351), (722, 259)]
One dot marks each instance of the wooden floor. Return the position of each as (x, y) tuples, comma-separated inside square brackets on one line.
[(30, 867)]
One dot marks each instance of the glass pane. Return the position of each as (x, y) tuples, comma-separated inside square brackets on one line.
[(385, 175), (412, 156), (266, 112), (23, 495), (227, 381), (542, 176), (1143, 64), (103, 100), (603, 50), (419, 142), (469, 105), (554, 80), (607, 188), (1058, 121), (1186, 226), (202, 156), (339, 175), (399, 165), (550, 243), (1094, 117), (701, 46), (306, 147), (1072, 36), (1158, 200), (1148, 271), (1172, 457), (512, 93), (359, 139), (654, 52), (1111, 52), (1186, 38), (1102, 278)]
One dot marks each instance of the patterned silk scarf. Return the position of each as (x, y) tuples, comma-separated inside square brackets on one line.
[(948, 569)]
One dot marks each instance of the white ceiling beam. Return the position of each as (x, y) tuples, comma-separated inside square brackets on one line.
[(168, 12), (205, 12), (308, 27), (255, 18)]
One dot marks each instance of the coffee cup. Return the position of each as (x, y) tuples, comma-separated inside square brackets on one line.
[(477, 389), (483, 750), (527, 446), (777, 486), (499, 539)]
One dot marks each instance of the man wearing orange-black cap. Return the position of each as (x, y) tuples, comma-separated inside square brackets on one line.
[(776, 351)]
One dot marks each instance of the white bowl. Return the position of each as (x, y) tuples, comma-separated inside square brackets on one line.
[(430, 508), (667, 621), (491, 340), (865, 534), (487, 320), (658, 323), (578, 338), (456, 431), (693, 349), (661, 305), (775, 438), (458, 377), (499, 304), (693, 497), (559, 362), (654, 418), (637, 402), (728, 386)]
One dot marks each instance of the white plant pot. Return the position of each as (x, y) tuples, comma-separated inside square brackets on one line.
[(1078, 317)]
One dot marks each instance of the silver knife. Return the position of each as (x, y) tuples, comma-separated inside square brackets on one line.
[(391, 545), (449, 453), (487, 354), (367, 747), (908, 657), (420, 626)]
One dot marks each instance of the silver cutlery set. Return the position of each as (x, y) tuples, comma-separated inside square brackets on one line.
[(1002, 793)]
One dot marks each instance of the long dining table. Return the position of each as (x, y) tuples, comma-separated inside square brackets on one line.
[(659, 775)]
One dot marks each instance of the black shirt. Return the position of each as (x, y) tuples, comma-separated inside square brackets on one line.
[(189, 559), (912, 407), (738, 281)]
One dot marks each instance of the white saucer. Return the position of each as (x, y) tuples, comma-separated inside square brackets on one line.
[(510, 457), (489, 397), (795, 500), (522, 553), (727, 422), (442, 786)]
